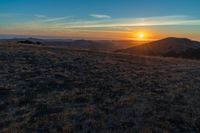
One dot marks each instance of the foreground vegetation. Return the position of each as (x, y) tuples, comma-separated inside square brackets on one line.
[(48, 89)]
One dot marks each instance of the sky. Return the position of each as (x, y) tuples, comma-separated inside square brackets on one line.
[(101, 19)]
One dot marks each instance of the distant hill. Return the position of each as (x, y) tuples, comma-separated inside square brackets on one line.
[(32, 41), (105, 45), (98, 45), (170, 47)]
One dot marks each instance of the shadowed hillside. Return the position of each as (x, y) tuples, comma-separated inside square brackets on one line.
[(49, 89), (171, 47)]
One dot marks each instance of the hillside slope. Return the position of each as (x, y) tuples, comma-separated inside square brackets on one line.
[(174, 47), (49, 89)]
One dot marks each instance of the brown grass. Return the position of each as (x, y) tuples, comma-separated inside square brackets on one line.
[(49, 89)]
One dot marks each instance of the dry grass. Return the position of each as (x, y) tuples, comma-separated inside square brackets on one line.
[(47, 89)]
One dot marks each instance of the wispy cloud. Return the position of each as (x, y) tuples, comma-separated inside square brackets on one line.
[(67, 22), (67, 25), (45, 18), (101, 16), (135, 22), (55, 19)]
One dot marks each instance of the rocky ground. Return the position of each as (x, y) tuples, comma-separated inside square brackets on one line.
[(47, 89)]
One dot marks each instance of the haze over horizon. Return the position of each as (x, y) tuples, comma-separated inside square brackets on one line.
[(113, 19)]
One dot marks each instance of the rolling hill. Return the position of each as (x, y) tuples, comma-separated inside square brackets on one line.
[(60, 90), (172, 47), (97, 45)]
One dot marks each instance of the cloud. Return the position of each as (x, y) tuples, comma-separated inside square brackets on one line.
[(44, 18), (101, 16), (136, 22), (55, 19), (64, 24)]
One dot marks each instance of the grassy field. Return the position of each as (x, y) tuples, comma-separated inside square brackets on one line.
[(48, 89)]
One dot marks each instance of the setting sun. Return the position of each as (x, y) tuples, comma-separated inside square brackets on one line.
[(141, 35)]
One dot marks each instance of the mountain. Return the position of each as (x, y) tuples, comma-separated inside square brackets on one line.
[(172, 47)]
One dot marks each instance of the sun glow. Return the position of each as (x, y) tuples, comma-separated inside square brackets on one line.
[(141, 36)]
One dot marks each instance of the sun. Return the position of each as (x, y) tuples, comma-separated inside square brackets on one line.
[(141, 35)]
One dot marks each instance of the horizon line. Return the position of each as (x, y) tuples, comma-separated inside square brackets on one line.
[(14, 36)]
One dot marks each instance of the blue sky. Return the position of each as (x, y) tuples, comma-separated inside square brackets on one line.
[(100, 18)]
